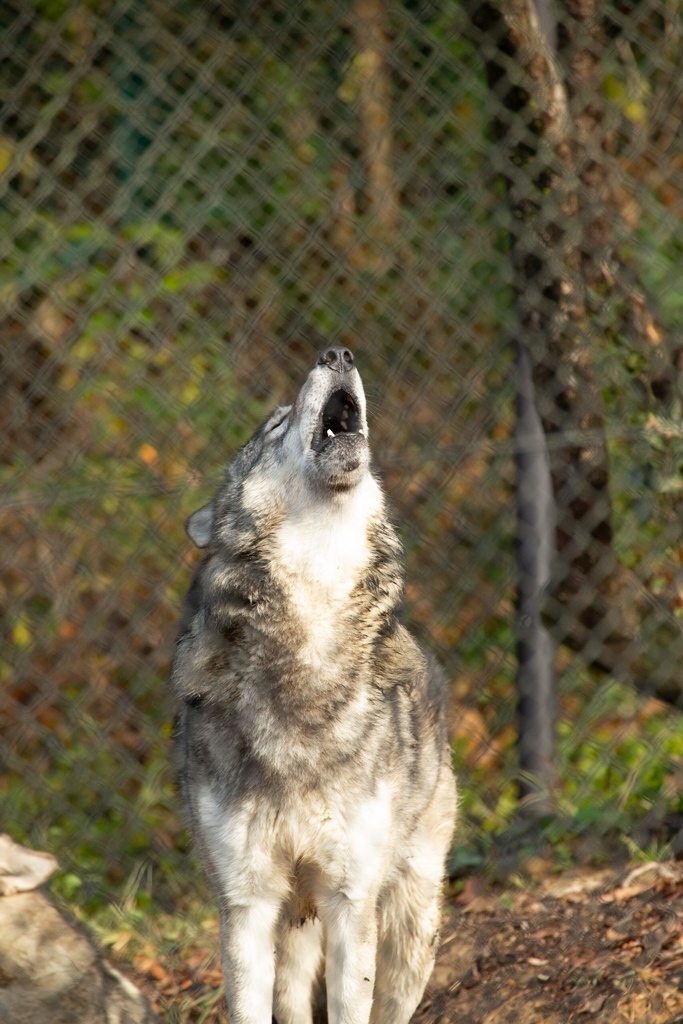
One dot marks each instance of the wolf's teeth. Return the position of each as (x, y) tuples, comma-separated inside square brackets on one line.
[(344, 427), (330, 433), (361, 431)]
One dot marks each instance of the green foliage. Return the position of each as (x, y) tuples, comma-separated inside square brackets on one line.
[(619, 767)]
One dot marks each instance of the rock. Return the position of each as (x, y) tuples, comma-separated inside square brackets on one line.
[(22, 869), (50, 972)]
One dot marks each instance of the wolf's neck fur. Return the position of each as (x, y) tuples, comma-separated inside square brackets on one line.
[(288, 618), (324, 543), (319, 554)]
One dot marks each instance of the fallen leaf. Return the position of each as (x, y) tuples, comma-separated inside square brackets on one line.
[(147, 454), (593, 1005), (644, 877), (472, 888)]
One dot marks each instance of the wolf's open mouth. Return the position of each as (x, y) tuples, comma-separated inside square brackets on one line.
[(339, 416)]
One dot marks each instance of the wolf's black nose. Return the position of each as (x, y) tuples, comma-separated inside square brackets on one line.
[(339, 359)]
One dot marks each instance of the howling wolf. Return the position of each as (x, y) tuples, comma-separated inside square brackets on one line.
[(311, 736)]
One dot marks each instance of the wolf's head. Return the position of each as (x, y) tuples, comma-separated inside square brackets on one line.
[(313, 450)]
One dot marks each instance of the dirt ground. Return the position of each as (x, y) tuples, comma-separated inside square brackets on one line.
[(587, 947), (583, 947)]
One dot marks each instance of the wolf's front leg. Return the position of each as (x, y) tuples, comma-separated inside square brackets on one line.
[(249, 960), (351, 928), (299, 955)]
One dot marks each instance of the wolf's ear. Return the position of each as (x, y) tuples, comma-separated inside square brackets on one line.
[(198, 526)]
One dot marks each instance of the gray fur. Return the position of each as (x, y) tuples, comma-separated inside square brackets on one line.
[(311, 738)]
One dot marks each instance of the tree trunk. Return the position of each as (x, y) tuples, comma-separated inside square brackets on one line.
[(602, 268), (536, 699), (373, 83), (551, 182), (537, 159)]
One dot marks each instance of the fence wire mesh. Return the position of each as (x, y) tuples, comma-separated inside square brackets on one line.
[(484, 201)]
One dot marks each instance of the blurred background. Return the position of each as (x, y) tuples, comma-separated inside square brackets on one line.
[(484, 201)]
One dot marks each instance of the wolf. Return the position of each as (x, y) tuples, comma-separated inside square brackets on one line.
[(311, 737)]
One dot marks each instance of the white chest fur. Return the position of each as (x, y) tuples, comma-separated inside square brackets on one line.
[(256, 848), (320, 551)]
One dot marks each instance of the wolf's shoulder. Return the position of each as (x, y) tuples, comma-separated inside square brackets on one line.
[(403, 667)]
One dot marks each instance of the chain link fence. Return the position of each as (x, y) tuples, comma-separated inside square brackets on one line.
[(484, 202)]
